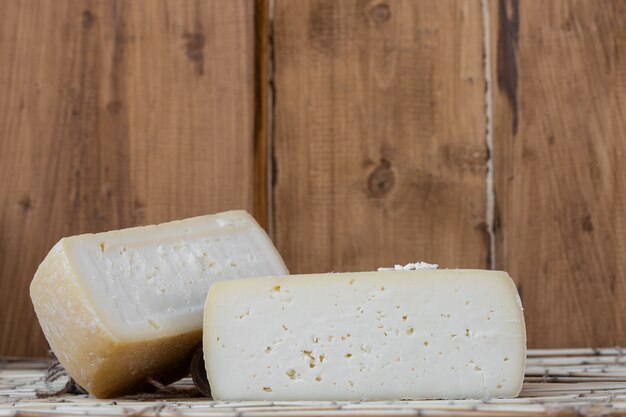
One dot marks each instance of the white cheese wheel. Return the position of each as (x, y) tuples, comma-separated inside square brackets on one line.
[(426, 334)]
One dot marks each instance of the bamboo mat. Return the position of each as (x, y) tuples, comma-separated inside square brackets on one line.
[(560, 382)]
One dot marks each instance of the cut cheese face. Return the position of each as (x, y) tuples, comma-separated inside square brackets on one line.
[(129, 302), (427, 334)]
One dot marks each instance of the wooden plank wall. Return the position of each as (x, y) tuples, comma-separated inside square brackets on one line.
[(559, 143), (375, 122), (379, 145), (114, 114)]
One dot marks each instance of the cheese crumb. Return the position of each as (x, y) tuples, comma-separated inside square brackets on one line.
[(410, 267), (223, 222)]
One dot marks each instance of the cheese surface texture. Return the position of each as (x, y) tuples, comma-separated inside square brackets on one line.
[(426, 334), (122, 307)]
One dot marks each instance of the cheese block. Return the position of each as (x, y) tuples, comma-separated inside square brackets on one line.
[(122, 308), (425, 334)]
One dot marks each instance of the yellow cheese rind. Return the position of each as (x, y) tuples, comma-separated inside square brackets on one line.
[(59, 299)]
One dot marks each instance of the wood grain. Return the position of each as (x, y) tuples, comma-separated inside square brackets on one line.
[(379, 134), (114, 114), (559, 144)]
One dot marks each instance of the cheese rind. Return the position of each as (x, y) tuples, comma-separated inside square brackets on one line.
[(427, 334), (113, 323)]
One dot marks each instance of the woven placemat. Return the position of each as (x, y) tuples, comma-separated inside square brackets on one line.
[(558, 382)]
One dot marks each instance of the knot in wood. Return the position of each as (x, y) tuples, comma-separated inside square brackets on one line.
[(380, 13), (381, 180), (88, 19)]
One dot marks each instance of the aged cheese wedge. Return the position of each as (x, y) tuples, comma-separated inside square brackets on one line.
[(427, 334), (123, 307)]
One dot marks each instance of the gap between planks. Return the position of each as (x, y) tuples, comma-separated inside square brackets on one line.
[(270, 118), (490, 188), (262, 134), (263, 173)]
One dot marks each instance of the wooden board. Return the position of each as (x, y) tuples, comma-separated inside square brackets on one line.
[(559, 72), (557, 382), (379, 145), (114, 114)]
